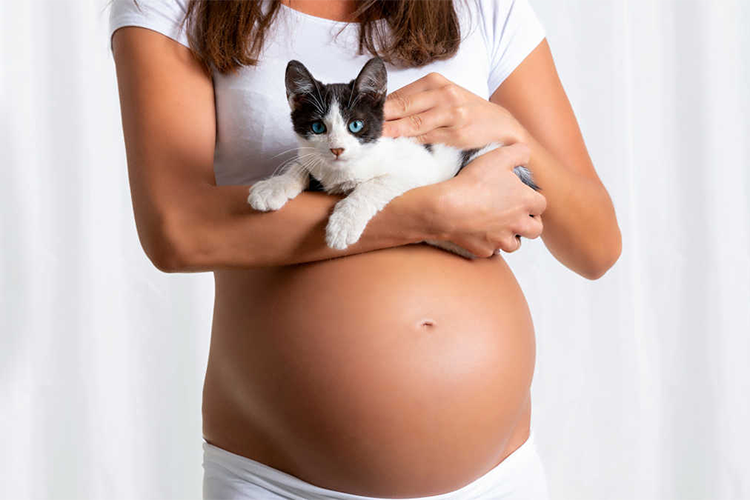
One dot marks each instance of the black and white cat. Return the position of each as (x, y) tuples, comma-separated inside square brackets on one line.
[(339, 128)]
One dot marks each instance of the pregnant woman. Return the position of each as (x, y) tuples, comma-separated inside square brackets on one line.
[(390, 369)]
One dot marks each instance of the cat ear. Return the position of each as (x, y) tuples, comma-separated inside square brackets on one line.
[(373, 79), (298, 81)]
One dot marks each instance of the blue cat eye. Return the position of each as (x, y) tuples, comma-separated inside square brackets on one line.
[(356, 125), (318, 127)]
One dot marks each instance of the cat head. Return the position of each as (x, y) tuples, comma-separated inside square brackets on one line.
[(338, 121)]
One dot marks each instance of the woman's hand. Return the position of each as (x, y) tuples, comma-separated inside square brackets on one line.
[(486, 207), (435, 110)]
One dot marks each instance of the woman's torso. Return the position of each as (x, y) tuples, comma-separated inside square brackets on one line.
[(399, 372)]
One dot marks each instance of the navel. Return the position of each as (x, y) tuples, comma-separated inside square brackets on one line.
[(427, 323)]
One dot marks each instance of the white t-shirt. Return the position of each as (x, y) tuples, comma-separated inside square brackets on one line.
[(254, 129)]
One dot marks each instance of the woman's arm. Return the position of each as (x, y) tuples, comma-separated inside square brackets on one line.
[(530, 107), (185, 222), (580, 226)]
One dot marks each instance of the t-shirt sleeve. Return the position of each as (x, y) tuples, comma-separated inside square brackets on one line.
[(163, 16), (512, 30)]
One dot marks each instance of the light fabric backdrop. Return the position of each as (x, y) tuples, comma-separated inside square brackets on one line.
[(642, 382)]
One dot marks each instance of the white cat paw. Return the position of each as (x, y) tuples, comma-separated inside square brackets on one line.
[(270, 194), (343, 229)]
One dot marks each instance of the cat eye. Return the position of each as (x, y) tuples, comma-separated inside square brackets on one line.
[(318, 127), (356, 126)]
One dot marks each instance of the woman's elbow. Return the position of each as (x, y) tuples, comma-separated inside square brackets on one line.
[(605, 257), (167, 245), (167, 261)]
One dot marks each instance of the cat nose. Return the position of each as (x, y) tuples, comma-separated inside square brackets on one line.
[(337, 151)]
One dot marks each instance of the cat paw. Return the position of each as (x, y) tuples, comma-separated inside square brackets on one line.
[(270, 194), (343, 228)]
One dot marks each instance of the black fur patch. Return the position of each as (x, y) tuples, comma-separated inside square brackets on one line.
[(524, 174), (315, 184), (466, 156), (313, 99)]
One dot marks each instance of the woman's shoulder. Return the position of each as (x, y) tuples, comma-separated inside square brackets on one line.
[(510, 30), (496, 17), (484, 12)]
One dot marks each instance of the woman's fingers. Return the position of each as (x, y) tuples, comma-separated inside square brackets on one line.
[(394, 101), (398, 105), (421, 124), (537, 203), (510, 243), (531, 227), (495, 209)]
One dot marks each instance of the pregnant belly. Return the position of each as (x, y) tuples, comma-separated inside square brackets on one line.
[(401, 372)]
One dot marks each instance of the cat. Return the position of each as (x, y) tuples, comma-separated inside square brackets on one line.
[(339, 129)]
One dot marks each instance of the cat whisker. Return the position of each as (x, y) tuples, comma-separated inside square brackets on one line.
[(314, 164), (311, 159), (308, 163), (289, 150), (293, 161), (278, 169), (320, 99), (356, 99), (349, 103), (319, 108), (282, 168)]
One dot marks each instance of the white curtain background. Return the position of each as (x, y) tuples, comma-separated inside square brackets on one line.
[(642, 385)]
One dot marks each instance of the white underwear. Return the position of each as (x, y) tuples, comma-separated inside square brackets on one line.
[(227, 476)]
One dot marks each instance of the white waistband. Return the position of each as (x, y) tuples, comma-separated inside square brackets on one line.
[(498, 482)]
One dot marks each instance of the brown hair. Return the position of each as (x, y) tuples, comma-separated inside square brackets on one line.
[(229, 34)]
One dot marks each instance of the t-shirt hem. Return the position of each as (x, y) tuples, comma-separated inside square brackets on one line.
[(150, 24), (510, 65)]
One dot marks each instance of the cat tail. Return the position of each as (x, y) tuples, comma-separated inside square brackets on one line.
[(522, 172)]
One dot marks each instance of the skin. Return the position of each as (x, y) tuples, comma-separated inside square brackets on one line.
[(306, 373)]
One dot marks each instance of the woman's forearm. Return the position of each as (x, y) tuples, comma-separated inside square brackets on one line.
[(223, 231), (580, 226)]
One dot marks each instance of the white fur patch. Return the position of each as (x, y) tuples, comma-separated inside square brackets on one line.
[(371, 174)]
